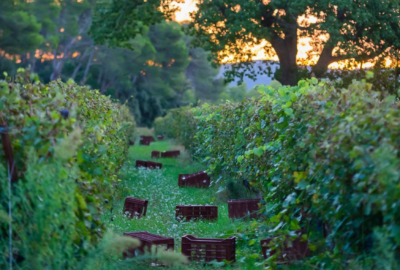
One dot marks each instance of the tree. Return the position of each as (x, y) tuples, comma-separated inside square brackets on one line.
[(116, 22), (151, 78), (202, 76), (238, 93), (19, 29), (72, 23), (360, 29)]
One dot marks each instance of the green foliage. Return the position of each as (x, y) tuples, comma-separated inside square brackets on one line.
[(238, 93), (202, 76), (18, 27), (162, 126), (383, 79), (319, 154), (67, 169), (160, 187), (116, 22), (355, 27)]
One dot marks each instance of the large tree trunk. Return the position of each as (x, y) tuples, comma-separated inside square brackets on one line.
[(286, 49), (325, 59)]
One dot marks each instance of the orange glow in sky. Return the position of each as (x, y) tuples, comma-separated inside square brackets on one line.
[(305, 53)]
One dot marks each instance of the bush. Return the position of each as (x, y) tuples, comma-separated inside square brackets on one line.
[(385, 80), (69, 143), (320, 154)]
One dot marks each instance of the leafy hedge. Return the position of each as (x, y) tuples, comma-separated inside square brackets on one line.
[(323, 157), (67, 167)]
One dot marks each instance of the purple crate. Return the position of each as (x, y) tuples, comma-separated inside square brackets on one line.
[(189, 212), (154, 165), (134, 207), (144, 142), (141, 163), (209, 249), (170, 154), (244, 208), (199, 179), (147, 138), (147, 240), (155, 154), (148, 164), (290, 251)]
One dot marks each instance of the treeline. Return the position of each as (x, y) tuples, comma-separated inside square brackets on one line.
[(325, 158), (155, 71)]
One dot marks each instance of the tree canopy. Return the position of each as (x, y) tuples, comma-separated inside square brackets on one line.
[(19, 28), (152, 71), (339, 29)]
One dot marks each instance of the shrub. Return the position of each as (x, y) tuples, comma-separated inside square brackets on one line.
[(162, 126), (320, 154), (69, 143)]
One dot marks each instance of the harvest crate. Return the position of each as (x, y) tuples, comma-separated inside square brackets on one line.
[(243, 208), (144, 142), (147, 138), (160, 137), (290, 252), (148, 164), (188, 212), (146, 241), (154, 165), (209, 249), (181, 178), (131, 142), (141, 163), (135, 207), (170, 154), (199, 179), (155, 154)]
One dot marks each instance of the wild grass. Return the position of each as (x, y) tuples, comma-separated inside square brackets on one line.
[(160, 187)]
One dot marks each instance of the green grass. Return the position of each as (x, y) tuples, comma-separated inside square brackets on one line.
[(160, 187)]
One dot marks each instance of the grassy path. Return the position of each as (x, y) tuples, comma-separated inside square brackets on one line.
[(160, 187)]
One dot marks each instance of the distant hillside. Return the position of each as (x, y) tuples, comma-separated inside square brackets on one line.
[(261, 79)]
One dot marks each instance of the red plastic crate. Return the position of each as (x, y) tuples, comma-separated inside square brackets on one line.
[(291, 251), (170, 154), (146, 241), (188, 212), (134, 207), (154, 165), (147, 138), (160, 137), (243, 208), (131, 142), (144, 142), (209, 249), (148, 164), (155, 154), (141, 163), (199, 179), (181, 180)]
